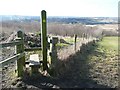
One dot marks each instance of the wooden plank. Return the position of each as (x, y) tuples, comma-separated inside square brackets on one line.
[(34, 60), (33, 49), (34, 63)]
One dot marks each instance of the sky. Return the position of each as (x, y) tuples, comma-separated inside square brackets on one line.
[(77, 8)]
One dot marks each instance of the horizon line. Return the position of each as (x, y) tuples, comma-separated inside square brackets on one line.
[(62, 16)]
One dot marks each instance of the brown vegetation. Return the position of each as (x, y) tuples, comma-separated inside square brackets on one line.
[(61, 29)]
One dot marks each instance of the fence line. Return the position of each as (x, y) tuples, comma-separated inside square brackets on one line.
[(19, 57)]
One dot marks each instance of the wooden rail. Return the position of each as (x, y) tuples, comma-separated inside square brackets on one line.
[(33, 49), (3, 45), (20, 55), (11, 59)]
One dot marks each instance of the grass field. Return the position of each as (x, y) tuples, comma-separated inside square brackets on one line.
[(104, 62), (96, 65), (110, 43)]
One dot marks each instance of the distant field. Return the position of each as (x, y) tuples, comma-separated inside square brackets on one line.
[(109, 26), (106, 26)]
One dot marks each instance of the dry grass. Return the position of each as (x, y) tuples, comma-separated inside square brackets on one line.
[(64, 53), (96, 65), (109, 26)]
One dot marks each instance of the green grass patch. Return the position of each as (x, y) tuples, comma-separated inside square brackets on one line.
[(61, 45), (110, 43), (105, 49), (71, 40)]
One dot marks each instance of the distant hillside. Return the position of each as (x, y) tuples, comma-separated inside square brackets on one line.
[(84, 20), (19, 18), (72, 20)]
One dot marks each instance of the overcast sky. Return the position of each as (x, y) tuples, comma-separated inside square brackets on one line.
[(79, 8)]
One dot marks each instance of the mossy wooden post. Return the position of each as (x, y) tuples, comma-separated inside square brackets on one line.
[(44, 38), (20, 49)]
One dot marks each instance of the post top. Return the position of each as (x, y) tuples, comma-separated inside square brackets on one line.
[(43, 11), (19, 31)]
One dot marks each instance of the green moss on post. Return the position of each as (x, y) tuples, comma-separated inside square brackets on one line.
[(20, 49), (44, 38)]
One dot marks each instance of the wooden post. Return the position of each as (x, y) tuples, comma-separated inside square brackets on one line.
[(44, 38), (54, 49), (20, 49), (52, 55), (75, 36), (49, 51), (83, 36), (1, 76)]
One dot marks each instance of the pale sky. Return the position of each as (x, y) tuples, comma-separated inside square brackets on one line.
[(79, 8)]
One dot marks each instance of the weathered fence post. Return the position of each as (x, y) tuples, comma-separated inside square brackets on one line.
[(52, 54), (83, 36), (49, 51), (54, 49), (75, 36), (44, 38), (20, 49), (1, 75)]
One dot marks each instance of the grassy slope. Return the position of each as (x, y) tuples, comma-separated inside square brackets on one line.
[(104, 62), (110, 43), (95, 66)]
